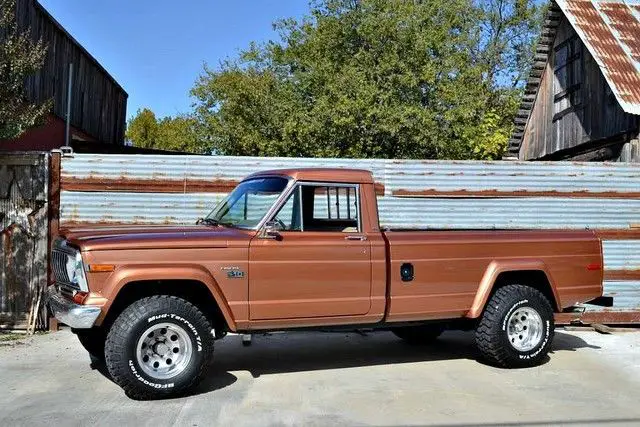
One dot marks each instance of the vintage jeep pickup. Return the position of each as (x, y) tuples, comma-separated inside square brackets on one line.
[(302, 248)]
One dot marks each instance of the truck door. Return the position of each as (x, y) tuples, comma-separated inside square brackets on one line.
[(316, 261)]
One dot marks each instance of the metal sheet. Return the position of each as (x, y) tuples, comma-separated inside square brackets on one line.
[(610, 30), (483, 179), (429, 213), (135, 208), (515, 213), (138, 189), (626, 296), (621, 254)]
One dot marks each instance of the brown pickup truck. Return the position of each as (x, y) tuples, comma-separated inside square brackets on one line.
[(302, 248)]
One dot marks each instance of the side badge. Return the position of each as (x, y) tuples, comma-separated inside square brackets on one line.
[(233, 272)]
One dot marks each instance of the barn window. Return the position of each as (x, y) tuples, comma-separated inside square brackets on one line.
[(568, 77)]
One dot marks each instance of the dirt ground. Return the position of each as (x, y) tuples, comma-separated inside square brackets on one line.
[(317, 378)]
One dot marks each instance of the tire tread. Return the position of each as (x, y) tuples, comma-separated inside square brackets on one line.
[(487, 336), (119, 334)]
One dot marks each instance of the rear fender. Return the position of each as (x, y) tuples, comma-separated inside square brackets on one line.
[(494, 269)]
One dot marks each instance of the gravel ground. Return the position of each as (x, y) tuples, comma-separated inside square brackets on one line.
[(317, 378)]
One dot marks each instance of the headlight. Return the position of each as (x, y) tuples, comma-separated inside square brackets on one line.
[(75, 271)]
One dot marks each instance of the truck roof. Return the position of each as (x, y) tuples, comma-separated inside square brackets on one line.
[(359, 176)]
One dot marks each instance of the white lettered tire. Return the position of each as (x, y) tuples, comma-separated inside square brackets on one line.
[(516, 328), (159, 346)]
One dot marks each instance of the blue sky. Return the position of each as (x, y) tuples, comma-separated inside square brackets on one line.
[(156, 48)]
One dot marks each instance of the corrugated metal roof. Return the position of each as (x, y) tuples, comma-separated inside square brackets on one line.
[(611, 32), (610, 29)]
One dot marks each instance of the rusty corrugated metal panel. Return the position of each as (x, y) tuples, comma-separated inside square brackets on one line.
[(194, 174), (180, 189), (136, 189), (609, 317), (611, 32), (626, 295)]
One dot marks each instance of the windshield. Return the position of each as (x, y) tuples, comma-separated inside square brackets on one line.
[(248, 203)]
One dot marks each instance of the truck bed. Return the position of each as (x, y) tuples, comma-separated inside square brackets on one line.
[(450, 266)]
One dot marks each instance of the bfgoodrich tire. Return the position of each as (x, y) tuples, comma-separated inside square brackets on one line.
[(159, 346), (516, 328)]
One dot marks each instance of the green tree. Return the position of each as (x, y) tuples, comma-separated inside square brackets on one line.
[(179, 134), (169, 133), (373, 78), (142, 130), (20, 57)]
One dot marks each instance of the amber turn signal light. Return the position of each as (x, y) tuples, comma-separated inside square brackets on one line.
[(101, 268), (80, 297)]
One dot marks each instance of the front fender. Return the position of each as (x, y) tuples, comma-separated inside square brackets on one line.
[(494, 269), (127, 274)]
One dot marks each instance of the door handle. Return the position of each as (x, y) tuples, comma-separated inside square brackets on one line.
[(361, 238)]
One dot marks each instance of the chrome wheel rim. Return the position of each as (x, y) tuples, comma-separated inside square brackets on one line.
[(524, 329), (164, 350)]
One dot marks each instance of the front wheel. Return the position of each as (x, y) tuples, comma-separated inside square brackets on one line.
[(516, 328), (159, 346)]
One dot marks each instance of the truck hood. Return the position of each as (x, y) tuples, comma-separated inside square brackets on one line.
[(155, 237)]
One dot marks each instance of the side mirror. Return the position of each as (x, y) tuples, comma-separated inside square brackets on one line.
[(271, 230)]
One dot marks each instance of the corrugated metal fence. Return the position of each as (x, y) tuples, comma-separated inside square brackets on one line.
[(131, 189)]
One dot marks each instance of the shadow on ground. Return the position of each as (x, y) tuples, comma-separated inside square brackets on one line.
[(311, 351)]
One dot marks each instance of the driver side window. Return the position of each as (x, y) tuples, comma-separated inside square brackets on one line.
[(288, 217), (330, 208)]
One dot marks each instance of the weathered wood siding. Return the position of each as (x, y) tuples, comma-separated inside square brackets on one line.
[(589, 113), (23, 234), (98, 104)]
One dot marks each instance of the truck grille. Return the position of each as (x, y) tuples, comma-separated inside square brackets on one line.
[(59, 257)]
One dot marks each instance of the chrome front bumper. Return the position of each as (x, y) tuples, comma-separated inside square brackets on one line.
[(71, 314)]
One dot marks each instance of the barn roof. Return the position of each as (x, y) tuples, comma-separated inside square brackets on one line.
[(610, 30)]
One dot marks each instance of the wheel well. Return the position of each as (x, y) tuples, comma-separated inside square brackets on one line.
[(197, 293), (536, 279)]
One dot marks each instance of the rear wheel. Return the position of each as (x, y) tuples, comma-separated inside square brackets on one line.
[(516, 328), (159, 346), (418, 335)]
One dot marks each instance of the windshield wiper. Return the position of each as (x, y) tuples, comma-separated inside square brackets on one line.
[(208, 221), (214, 222)]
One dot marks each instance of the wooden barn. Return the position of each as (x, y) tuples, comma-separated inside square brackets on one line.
[(98, 102), (582, 99)]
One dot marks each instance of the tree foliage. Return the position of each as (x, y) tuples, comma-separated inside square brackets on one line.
[(365, 78), (375, 78), (169, 133), (20, 57)]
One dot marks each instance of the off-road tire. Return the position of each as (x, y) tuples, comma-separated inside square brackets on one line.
[(491, 334), (418, 335), (93, 341), (121, 347)]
